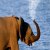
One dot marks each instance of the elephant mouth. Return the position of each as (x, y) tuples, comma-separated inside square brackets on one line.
[(29, 42)]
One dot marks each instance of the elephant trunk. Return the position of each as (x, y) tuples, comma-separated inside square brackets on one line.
[(38, 31)]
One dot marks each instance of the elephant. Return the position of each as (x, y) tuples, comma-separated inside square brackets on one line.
[(14, 28)]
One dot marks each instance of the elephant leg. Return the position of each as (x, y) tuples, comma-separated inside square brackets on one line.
[(14, 42), (2, 44), (1, 47)]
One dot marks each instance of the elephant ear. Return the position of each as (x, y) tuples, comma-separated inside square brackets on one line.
[(23, 29)]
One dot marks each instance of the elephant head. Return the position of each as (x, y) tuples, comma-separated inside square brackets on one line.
[(26, 33)]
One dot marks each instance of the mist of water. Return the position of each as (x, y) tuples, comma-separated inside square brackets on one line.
[(32, 8)]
